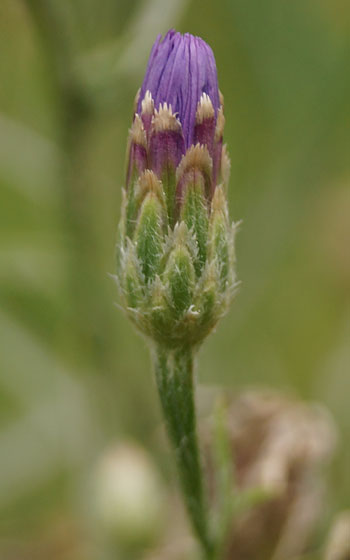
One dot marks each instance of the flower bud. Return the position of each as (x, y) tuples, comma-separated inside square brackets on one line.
[(176, 258)]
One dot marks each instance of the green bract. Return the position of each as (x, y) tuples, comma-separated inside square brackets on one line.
[(176, 243)]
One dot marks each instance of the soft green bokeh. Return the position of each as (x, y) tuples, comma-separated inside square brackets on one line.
[(74, 376)]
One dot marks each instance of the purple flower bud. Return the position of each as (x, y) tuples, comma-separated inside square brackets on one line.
[(176, 252), (181, 68), (177, 131)]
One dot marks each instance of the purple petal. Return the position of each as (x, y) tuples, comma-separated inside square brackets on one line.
[(180, 69)]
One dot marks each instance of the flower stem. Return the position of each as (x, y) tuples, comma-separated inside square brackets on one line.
[(174, 376)]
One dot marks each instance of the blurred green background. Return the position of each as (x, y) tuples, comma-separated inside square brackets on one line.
[(74, 376)]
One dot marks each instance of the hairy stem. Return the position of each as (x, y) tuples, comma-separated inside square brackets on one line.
[(174, 375)]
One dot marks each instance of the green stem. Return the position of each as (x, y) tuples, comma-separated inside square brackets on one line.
[(174, 375)]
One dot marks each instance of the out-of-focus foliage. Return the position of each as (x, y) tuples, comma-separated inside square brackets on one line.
[(74, 377)]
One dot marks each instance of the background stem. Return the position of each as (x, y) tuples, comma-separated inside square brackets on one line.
[(174, 375)]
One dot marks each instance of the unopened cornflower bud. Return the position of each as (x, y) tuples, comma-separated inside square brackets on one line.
[(176, 247), (176, 251)]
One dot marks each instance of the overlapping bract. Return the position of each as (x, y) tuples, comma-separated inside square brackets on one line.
[(176, 252)]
